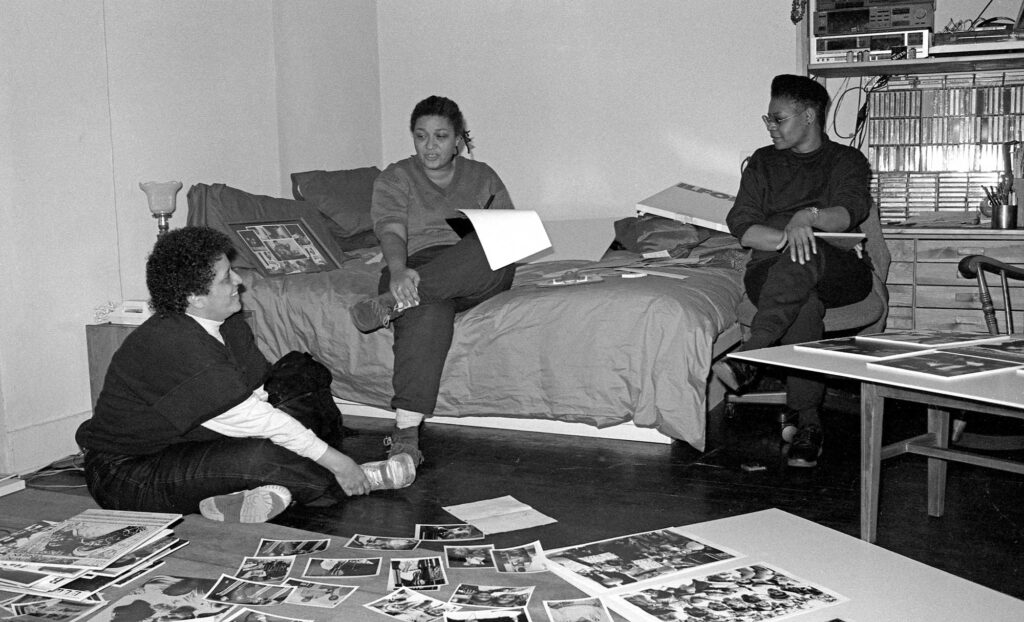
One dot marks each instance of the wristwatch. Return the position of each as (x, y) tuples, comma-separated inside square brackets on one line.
[(814, 212)]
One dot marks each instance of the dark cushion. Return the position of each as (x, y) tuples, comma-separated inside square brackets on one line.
[(218, 205), (650, 234), (342, 196)]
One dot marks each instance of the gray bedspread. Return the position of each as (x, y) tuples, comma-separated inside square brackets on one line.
[(601, 353)]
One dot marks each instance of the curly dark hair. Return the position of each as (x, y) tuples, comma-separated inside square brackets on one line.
[(181, 264), (804, 91), (437, 106)]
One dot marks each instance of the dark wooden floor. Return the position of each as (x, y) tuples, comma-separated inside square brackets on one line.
[(599, 488)]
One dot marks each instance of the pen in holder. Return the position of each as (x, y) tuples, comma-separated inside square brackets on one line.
[(1004, 216)]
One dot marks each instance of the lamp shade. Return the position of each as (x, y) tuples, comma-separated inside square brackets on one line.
[(162, 196)]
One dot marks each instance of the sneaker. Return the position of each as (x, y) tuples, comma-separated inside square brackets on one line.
[(372, 313), (806, 447), (405, 441), (396, 472), (247, 506), (737, 375)]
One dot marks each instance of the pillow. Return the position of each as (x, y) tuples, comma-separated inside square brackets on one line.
[(342, 196), (650, 234), (366, 239), (218, 205)]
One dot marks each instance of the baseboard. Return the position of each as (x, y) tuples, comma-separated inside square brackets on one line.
[(39, 444), (623, 432)]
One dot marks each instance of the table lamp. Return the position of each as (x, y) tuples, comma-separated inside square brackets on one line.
[(162, 198)]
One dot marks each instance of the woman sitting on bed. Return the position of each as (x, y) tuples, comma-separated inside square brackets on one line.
[(430, 273)]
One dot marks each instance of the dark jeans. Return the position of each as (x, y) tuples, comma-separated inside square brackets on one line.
[(791, 300), (452, 279), (179, 477)]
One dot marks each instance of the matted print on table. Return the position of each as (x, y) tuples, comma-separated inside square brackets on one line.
[(279, 247), (754, 593)]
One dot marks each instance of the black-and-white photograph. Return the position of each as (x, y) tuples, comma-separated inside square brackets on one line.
[(638, 557), (744, 594), (411, 606), (943, 365), (577, 610), (235, 591), (489, 615), (469, 556), (283, 247), (343, 567), (284, 548), (245, 614), (525, 558), (457, 531), (416, 573), (312, 594), (268, 569), (161, 597), (492, 596), (381, 543)]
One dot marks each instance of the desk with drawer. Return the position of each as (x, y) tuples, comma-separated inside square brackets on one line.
[(926, 290)]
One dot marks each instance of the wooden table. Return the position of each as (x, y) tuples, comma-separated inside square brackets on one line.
[(999, 394)]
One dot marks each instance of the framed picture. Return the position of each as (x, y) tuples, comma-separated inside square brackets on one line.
[(283, 247)]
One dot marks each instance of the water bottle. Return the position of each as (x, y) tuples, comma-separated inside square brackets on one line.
[(398, 471)]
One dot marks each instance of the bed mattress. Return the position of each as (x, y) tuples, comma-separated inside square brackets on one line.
[(602, 352)]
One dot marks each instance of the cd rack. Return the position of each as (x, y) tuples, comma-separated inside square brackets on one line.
[(935, 141)]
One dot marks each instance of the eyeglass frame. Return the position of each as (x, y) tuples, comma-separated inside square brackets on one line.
[(768, 121)]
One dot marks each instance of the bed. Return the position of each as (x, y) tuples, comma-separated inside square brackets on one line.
[(603, 353)]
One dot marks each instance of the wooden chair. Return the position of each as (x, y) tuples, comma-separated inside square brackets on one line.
[(977, 267), (867, 316)]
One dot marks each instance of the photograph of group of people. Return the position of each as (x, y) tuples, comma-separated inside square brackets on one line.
[(286, 248), (745, 594), (637, 557)]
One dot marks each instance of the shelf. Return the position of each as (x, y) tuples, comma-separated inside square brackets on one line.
[(939, 64), (947, 231)]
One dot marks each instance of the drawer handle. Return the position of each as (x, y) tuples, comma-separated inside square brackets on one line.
[(966, 297), (970, 251)]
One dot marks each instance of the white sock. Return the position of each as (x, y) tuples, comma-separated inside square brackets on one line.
[(407, 419)]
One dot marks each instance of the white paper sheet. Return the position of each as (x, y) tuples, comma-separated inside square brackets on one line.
[(508, 235), (499, 515)]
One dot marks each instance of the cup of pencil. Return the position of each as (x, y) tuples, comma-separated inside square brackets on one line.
[(1002, 203)]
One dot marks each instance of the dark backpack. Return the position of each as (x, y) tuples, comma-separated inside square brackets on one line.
[(300, 385)]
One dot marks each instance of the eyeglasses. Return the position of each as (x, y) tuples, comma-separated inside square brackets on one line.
[(770, 120)]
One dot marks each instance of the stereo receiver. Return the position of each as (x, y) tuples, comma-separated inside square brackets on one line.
[(842, 17), (869, 47)]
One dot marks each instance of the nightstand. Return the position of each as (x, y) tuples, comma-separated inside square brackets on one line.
[(101, 341)]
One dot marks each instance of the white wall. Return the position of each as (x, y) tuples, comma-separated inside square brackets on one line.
[(583, 108), (59, 253), (100, 95), (192, 98), (328, 95)]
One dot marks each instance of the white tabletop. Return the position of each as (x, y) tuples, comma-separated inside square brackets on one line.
[(1004, 388), (880, 584)]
